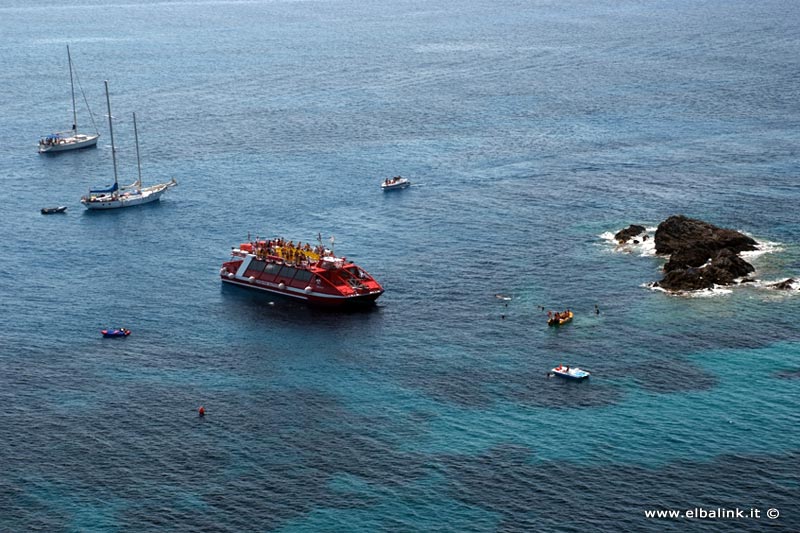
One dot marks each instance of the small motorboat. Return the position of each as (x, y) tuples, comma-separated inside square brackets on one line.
[(120, 332), (53, 210), (557, 319), (397, 182), (570, 372)]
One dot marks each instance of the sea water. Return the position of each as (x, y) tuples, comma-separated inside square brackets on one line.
[(532, 131)]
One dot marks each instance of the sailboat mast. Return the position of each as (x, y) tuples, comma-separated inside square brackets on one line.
[(113, 148), (138, 161), (72, 87)]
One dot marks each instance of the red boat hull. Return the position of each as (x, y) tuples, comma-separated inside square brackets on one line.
[(315, 300), (313, 276)]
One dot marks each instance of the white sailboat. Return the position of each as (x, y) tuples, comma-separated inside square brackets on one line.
[(114, 197), (70, 140)]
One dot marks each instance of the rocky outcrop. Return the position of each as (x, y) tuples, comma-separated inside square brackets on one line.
[(701, 254), (723, 269), (785, 285), (628, 233), (679, 233)]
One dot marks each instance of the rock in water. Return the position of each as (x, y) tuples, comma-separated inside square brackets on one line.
[(784, 285), (679, 232), (628, 233), (726, 266), (701, 254)]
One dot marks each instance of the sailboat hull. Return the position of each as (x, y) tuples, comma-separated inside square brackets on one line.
[(146, 196), (74, 142)]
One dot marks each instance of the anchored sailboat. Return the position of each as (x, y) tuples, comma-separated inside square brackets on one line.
[(70, 140), (114, 197)]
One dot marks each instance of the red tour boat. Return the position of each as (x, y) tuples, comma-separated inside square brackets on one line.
[(299, 271)]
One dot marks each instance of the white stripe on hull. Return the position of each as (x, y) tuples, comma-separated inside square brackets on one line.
[(300, 294)]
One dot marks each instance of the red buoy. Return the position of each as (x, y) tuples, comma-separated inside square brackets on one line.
[(201, 411)]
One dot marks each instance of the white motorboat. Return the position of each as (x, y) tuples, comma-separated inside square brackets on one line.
[(397, 182), (568, 372)]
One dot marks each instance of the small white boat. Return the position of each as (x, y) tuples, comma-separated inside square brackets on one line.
[(397, 182), (115, 196), (70, 140), (54, 210), (570, 372)]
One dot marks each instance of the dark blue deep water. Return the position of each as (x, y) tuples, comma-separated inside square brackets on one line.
[(530, 130)]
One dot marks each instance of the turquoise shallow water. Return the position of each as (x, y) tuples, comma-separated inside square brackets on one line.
[(530, 131)]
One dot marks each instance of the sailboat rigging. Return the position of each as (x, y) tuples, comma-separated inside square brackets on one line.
[(70, 140), (114, 197)]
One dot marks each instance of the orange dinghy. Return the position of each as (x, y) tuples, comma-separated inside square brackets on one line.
[(558, 319)]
